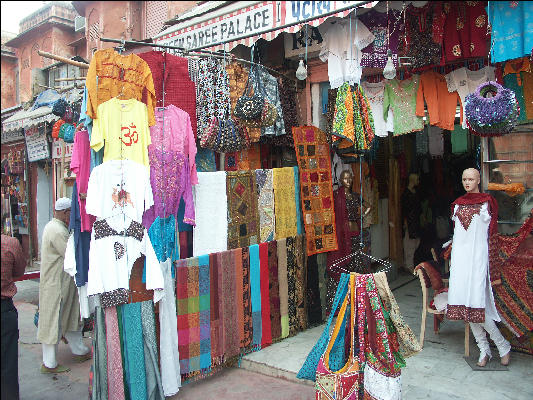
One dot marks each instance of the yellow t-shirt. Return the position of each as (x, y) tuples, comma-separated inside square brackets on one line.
[(123, 126)]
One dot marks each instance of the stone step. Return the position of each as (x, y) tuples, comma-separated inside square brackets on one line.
[(270, 370)]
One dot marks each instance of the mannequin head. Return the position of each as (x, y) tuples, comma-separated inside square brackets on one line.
[(346, 180), (471, 179), (414, 180)]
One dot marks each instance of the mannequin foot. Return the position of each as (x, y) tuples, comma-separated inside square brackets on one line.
[(483, 359), (506, 359)]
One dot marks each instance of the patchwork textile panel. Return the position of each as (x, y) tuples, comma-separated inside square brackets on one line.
[(243, 221), (193, 300), (284, 202), (314, 161), (265, 190)]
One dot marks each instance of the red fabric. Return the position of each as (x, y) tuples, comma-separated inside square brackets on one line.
[(266, 336), (344, 235), (184, 245), (179, 89), (477, 198), (13, 263), (432, 277)]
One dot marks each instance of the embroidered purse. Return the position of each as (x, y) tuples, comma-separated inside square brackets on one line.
[(249, 106), (342, 384)]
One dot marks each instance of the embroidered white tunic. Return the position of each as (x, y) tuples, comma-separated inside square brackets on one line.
[(470, 295)]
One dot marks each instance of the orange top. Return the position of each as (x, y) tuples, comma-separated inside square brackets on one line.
[(111, 74), (441, 104)]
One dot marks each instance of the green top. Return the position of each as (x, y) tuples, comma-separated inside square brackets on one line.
[(400, 96)]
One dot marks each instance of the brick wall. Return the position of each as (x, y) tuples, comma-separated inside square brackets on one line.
[(9, 70)]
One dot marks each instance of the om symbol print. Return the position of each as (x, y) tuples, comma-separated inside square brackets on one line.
[(131, 136)]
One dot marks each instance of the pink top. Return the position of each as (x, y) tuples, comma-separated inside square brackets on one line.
[(177, 136), (80, 164)]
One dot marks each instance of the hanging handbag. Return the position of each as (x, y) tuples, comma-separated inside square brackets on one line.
[(250, 105), (69, 132), (60, 106), (342, 384), (56, 127)]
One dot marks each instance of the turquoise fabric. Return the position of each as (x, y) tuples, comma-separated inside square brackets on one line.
[(134, 351), (299, 222), (151, 359), (97, 157), (512, 29), (459, 140), (255, 294)]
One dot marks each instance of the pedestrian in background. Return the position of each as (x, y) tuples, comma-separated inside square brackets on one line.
[(59, 310), (13, 264)]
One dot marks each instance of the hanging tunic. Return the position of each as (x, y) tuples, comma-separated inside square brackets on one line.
[(470, 295)]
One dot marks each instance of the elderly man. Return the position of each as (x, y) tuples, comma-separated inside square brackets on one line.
[(59, 314)]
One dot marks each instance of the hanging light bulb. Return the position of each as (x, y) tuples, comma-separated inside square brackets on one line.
[(389, 72), (301, 72)]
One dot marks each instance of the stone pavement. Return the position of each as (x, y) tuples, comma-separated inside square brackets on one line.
[(438, 372)]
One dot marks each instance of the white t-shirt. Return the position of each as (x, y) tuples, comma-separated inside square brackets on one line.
[(374, 93), (465, 82), (344, 58), (106, 196)]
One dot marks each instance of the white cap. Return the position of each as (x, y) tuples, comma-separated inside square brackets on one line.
[(62, 204)]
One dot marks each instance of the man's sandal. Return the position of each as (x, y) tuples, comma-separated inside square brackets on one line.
[(83, 357), (57, 370)]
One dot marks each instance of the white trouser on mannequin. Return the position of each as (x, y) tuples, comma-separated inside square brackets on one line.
[(478, 330), (75, 341), (409, 248)]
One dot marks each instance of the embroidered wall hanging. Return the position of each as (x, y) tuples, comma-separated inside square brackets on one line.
[(265, 190), (314, 161), (284, 202), (243, 221)]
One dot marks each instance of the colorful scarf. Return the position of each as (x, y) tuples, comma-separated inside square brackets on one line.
[(216, 323), (284, 204), (479, 198), (255, 290), (100, 368), (239, 287), (266, 337), (275, 317), (297, 199), (114, 357), (229, 305), (193, 298), (264, 180), (243, 220), (283, 287), (246, 300), (291, 285), (154, 386), (314, 161), (134, 351), (120, 320)]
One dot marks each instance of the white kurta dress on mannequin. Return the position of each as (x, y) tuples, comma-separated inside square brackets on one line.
[(470, 295)]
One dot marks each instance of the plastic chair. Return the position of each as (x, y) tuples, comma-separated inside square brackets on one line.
[(431, 278)]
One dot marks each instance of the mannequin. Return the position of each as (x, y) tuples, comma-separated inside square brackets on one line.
[(411, 210), (347, 221), (470, 295)]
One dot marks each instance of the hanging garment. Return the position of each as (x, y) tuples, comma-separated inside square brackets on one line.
[(265, 204), (115, 372), (287, 95), (111, 74), (435, 141), (116, 243), (268, 85), (172, 72), (119, 187), (162, 234), (169, 179), (459, 138), (81, 241), (154, 387), (236, 258), (387, 29), (193, 299), (173, 132), (229, 303), (314, 162), (134, 363), (97, 157), (243, 218), (210, 234), (284, 202), (255, 295), (296, 278), (512, 29), (80, 164), (375, 93), (515, 76), (100, 366), (441, 104), (470, 295), (465, 82), (266, 335), (400, 96), (344, 56), (273, 296), (205, 160), (283, 287), (130, 118), (217, 339)]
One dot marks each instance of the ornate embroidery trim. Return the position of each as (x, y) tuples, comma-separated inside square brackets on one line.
[(102, 230), (467, 314), (465, 213)]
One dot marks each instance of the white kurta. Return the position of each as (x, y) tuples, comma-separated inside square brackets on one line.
[(470, 295)]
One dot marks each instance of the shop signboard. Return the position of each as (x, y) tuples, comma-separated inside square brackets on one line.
[(295, 43), (57, 149), (12, 136), (36, 144)]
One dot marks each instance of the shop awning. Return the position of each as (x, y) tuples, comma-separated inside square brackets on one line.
[(28, 118), (236, 21)]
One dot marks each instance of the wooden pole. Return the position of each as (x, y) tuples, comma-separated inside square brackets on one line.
[(63, 59)]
